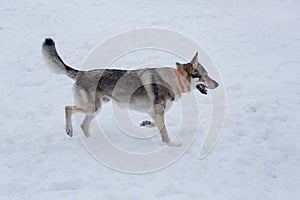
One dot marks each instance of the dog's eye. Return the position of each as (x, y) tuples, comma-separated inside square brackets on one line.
[(196, 74)]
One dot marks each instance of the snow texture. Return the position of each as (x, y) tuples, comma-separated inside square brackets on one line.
[(255, 45)]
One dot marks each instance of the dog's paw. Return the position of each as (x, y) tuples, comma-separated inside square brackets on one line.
[(147, 123), (173, 144), (69, 132), (85, 131), (87, 134)]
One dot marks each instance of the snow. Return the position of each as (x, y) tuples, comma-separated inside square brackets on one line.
[(256, 48)]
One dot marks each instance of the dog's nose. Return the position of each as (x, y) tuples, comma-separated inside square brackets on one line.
[(216, 84)]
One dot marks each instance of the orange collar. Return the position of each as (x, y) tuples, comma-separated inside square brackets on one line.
[(180, 82)]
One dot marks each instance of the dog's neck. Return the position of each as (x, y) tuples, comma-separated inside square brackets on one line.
[(180, 81)]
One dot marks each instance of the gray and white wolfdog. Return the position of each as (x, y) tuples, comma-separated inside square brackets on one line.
[(149, 90)]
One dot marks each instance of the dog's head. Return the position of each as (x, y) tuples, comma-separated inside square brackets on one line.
[(198, 75)]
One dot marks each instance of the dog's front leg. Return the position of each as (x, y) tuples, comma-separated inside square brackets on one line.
[(157, 113)]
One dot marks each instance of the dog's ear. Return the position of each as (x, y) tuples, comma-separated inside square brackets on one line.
[(178, 65), (195, 60), (189, 68)]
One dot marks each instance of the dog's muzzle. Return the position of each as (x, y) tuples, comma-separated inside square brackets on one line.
[(202, 88)]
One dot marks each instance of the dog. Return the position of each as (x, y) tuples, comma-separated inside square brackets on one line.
[(150, 90)]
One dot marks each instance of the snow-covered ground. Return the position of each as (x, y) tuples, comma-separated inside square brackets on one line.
[(255, 45)]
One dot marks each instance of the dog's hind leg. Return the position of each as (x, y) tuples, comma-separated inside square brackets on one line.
[(87, 102), (69, 110), (86, 124), (94, 107)]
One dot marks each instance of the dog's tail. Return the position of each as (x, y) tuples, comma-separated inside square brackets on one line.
[(55, 62)]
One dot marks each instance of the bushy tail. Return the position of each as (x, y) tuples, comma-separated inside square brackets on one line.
[(55, 62)]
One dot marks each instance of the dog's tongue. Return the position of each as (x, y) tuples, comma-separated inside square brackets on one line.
[(202, 88)]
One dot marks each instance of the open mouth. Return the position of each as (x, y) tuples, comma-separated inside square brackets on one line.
[(202, 88)]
